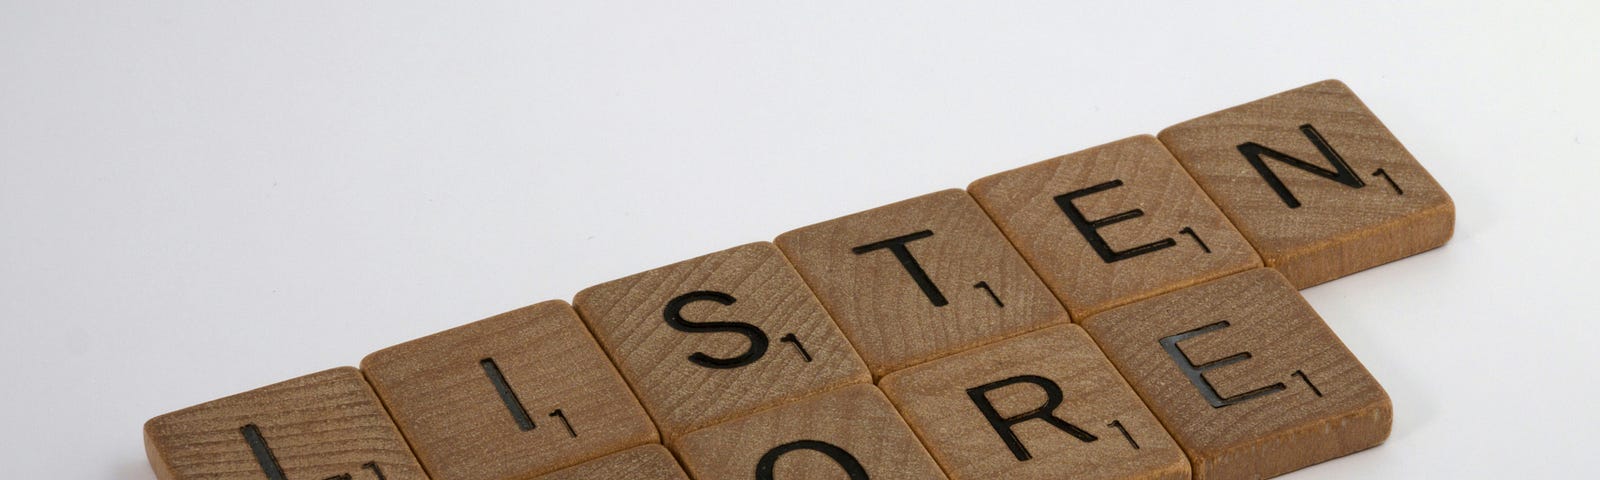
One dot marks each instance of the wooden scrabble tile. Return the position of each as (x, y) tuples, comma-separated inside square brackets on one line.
[(1315, 181), (920, 278), (1245, 376), (721, 335), (521, 393), (852, 432), (327, 425), (1041, 406), (645, 462), (1113, 224)]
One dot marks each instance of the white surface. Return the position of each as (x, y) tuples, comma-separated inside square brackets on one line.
[(198, 199)]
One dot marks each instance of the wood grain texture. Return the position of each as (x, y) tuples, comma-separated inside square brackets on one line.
[(856, 420), (975, 288), (1347, 220), (934, 398), (768, 300), (317, 426), (645, 462), (460, 423), (1311, 401), (1027, 204)]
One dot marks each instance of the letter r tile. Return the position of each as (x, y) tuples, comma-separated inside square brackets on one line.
[(1043, 405), (1113, 224), (1245, 376), (1315, 181), (920, 278)]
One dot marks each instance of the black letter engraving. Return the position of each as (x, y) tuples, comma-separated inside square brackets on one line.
[(1125, 434), (897, 245), (518, 413), (1341, 171), (985, 287), (377, 472), (563, 417), (1190, 232), (796, 341), (263, 453), (1003, 425), (1385, 175), (848, 462), (1303, 376), (269, 461), (1090, 229), (674, 317), (1196, 373)]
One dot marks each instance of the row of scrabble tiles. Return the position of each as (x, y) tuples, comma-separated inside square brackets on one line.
[(1128, 311)]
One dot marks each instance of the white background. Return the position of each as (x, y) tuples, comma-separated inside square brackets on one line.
[(199, 198)]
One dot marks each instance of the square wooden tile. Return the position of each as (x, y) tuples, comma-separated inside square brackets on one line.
[(921, 278), (1041, 406), (1245, 376), (1113, 224), (850, 433), (1315, 181), (645, 462), (520, 393), (323, 425), (724, 334)]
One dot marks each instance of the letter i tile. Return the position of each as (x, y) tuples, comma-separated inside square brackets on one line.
[(514, 395)]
